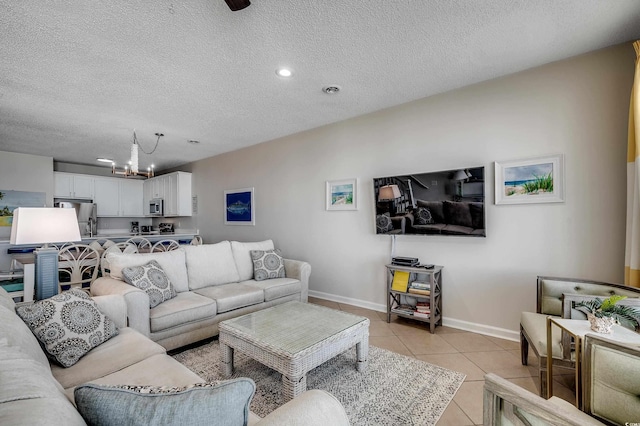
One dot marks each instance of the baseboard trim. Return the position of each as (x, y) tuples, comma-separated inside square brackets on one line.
[(486, 330)]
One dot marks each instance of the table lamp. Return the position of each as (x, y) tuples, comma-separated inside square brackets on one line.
[(42, 225), (389, 193)]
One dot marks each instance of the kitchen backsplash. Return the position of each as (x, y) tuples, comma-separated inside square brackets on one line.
[(106, 224)]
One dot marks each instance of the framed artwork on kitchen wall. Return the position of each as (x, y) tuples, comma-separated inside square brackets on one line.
[(239, 207), (10, 200)]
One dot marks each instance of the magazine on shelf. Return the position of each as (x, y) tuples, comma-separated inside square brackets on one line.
[(400, 281)]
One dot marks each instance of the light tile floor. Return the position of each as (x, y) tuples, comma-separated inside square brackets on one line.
[(470, 353)]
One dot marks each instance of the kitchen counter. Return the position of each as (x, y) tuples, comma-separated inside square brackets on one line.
[(183, 236)]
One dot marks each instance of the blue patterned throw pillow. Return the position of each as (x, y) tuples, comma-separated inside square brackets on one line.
[(152, 280), (68, 325)]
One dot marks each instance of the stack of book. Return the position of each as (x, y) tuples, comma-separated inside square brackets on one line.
[(423, 310), (420, 287), (403, 309)]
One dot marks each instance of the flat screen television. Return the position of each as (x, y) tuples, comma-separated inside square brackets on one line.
[(448, 202)]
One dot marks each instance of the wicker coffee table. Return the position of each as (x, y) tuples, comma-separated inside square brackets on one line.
[(294, 338)]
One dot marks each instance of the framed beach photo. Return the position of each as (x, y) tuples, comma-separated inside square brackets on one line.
[(536, 180), (342, 194), (239, 207)]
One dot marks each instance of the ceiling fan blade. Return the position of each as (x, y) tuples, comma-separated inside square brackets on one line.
[(236, 5)]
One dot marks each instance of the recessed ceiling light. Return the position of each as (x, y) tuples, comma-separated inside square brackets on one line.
[(104, 160), (284, 72), (331, 90)]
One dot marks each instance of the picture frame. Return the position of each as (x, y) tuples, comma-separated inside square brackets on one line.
[(239, 207), (527, 181), (342, 194)]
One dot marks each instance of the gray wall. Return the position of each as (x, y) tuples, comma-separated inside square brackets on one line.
[(577, 107)]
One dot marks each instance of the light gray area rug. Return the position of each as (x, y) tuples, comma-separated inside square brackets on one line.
[(394, 390)]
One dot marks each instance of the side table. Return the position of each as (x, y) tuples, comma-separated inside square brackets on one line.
[(578, 328)]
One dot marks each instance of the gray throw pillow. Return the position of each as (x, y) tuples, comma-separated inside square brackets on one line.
[(68, 325), (224, 403), (267, 264), (152, 280), (423, 216), (384, 223)]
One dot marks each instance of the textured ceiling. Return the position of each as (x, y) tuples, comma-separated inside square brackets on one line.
[(77, 77)]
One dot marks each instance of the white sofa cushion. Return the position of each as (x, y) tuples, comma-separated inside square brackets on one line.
[(242, 256), (233, 296), (127, 348), (210, 264), (29, 395), (173, 263), (185, 308), (277, 287), (18, 334)]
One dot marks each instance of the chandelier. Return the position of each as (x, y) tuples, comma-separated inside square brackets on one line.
[(131, 169)]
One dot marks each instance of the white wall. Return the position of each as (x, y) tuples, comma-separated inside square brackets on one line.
[(578, 107)]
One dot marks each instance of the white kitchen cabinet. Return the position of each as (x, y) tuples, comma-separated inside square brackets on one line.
[(174, 188), (117, 197), (71, 185), (156, 186), (177, 194), (153, 188), (107, 196), (131, 195)]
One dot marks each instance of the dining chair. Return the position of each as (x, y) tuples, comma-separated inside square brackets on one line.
[(196, 241), (78, 266), (165, 245), (123, 247), (143, 245)]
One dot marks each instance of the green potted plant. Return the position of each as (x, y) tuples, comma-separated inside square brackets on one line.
[(603, 314)]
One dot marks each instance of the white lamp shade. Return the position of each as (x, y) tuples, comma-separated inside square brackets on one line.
[(460, 175), (43, 225), (389, 192)]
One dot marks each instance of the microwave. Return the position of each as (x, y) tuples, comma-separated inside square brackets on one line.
[(155, 207)]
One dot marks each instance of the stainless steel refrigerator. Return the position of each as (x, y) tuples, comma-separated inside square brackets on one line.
[(87, 216)]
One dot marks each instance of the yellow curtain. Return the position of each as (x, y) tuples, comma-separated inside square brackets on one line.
[(632, 251)]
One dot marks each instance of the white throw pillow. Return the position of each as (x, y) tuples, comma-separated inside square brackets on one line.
[(173, 263), (242, 256), (210, 264)]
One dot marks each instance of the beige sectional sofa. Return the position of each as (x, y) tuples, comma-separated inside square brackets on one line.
[(214, 282), (35, 392)]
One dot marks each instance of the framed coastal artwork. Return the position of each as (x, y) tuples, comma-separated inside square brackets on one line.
[(342, 194), (10, 200), (239, 207), (534, 180)]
